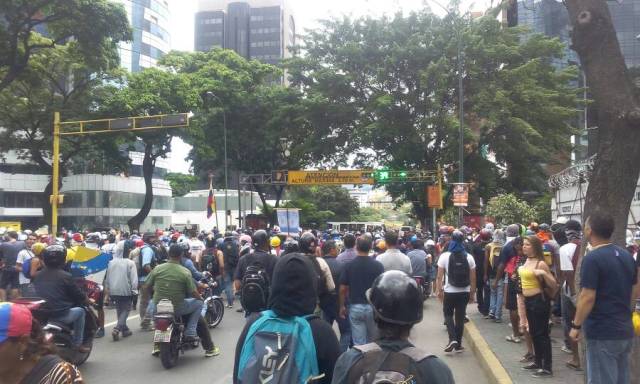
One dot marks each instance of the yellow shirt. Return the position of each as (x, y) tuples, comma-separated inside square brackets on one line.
[(528, 278)]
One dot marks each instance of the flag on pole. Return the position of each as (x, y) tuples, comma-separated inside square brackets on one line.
[(211, 202)]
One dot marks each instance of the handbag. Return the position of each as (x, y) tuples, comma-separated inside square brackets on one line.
[(549, 291)]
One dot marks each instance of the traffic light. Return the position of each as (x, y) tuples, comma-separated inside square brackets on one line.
[(402, 174), (382, 176)]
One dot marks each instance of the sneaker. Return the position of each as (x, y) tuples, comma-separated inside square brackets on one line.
[(146, 327), (229, 306), (498, 320), (451, 346), (459, 349), (115, 334), (542, 373), (491, 316), (215, 351), (527, 358), (513, 339), (156, 350), (190, 339), (240, 310), (487, 316), (531, 367), (99, 333), (566, 350), (126, 333)]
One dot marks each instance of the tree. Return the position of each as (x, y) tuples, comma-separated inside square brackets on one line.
[(321, 203), (150, 92), (387, 89), (181, 184), (95, 26), (60, 80), (261, 116), (508, 209)]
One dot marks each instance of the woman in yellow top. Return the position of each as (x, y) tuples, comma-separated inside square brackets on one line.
[(532, 273)]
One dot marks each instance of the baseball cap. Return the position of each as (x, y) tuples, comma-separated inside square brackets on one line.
[(15, 321)]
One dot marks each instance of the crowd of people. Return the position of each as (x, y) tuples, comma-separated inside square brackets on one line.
[(371, 284)]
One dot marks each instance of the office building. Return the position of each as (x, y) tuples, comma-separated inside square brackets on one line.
[(255, 29), (151, 40)]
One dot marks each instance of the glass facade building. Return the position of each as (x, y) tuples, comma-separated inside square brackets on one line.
[(255, 29), (149, 21)]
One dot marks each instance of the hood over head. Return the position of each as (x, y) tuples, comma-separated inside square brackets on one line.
[(291, 291)]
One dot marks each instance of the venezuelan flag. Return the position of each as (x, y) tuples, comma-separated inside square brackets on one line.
[(87, 261), (211, 202)]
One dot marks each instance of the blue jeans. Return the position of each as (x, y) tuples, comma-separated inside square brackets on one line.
[(123, 307), (363, 328), (495, 302), (228, 284), (608, 361), (191, 307), (74, 316)]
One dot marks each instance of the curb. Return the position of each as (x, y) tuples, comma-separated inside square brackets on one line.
[(488, 360)]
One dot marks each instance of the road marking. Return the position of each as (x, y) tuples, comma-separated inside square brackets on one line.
[(111, 324)]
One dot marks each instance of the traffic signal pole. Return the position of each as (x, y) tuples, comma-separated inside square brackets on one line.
[(54, 199)]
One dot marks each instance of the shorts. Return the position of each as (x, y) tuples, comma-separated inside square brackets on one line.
[(9, 280), (522, 314), (512, 296)]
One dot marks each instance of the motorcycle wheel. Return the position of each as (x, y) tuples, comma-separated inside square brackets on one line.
[(214, 314), (80, 358), (169, 354)]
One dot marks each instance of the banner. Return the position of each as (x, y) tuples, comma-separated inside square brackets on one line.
[(11, 225), (329, 177), (289, 220), (460, 194), (434, 196)]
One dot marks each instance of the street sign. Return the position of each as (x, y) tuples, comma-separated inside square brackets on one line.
[(434, 196), (329, 177), (460, 194)]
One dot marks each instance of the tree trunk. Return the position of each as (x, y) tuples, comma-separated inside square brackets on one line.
[(615, 175), (148, 166)]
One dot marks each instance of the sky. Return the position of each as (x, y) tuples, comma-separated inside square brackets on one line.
[(306, 12)]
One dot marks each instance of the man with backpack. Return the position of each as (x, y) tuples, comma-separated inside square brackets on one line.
[(23, 265), (397, 303), (231, 254), (287, 344), (456, 284), (146, 262), (254, 274), (326, 285)]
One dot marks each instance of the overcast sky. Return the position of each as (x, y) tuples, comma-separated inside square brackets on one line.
[(306, 12)]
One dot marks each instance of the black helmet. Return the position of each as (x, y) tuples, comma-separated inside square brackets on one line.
[(308, 243), (291, 246), (54, 256), (396, 298), (260, 238), (175, 250), (457, 236)]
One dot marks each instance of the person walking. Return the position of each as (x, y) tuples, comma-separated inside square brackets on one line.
[(607, 279), (23, 266), (349, 253), (456, 288), (121, 284), (569, 256), (356, 278), (492, 253), (393, 258), (329, 305), (534, 275)]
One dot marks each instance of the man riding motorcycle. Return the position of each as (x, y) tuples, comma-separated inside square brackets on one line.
[(172, 281), (64, 300)]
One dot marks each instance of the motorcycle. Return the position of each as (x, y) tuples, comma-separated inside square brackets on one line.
[(169, 334), (424, 286), (61, 333), (213, 309)]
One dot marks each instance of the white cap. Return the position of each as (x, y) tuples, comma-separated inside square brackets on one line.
[(562, 220)]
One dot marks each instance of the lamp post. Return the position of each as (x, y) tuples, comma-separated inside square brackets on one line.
[(210, 94)]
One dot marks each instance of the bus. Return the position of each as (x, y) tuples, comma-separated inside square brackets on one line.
[(356, 226)]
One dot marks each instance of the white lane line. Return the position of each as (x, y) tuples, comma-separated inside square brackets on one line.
[(111, 324)]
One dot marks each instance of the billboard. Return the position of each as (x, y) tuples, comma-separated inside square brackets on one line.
[(460, 194)]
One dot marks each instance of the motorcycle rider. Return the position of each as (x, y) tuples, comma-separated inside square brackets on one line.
[(64, 300), (172, 281)]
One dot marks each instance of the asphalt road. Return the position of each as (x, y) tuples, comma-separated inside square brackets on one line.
[(130, 360)]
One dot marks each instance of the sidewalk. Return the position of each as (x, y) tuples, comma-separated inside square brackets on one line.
[(509, 354)]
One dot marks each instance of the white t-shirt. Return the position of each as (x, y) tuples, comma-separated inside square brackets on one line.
[(196, 247), (566, 254), (23, 256), (443, 262)]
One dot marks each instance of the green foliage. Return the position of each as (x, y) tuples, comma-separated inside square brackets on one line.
[(542, 207), (322, 203), (388, 90), (508, 209), (181, 184), (91, 28)]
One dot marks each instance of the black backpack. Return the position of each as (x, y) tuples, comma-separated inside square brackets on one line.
[(254, 294), (379, 366), (210, 262), (458, 270), (154, 260), (161, 254), (231, 252)]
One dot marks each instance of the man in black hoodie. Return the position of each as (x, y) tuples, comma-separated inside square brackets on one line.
[(292, 295)]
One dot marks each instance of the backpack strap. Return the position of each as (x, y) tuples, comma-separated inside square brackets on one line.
[(416, 354)]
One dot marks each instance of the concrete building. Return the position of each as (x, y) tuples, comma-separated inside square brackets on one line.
[(151, 40), (255, 29)]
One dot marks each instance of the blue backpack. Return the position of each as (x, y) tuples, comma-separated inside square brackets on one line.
[(279, 351), (26, 268)]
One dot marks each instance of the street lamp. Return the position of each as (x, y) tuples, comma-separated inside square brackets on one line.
[(210, 95)]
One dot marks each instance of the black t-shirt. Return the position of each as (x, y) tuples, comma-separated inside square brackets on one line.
[(327, 347), (359, 275), (611, 272), (267, 260), (59, 291)]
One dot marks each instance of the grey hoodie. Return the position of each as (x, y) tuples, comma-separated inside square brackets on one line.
[(122, 274)]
